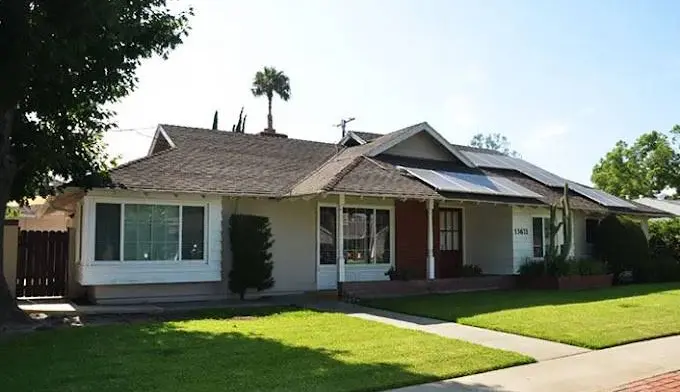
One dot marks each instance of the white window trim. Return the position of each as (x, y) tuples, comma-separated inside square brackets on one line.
[(560, 237), (109, 200), (353, 265)]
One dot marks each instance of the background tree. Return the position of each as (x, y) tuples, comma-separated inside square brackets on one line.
[(240, 126), (12, 213), (493, 141), (215, 121), (62, 63), (266, 83), (644, 168)]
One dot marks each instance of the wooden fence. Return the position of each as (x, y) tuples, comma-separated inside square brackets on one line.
[(42, 264)]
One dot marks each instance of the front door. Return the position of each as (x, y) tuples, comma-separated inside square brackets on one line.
[(450, 260)]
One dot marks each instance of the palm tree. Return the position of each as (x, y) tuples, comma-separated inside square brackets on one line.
[(267, 82)]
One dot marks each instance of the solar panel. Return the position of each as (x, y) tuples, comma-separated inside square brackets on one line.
[(471, 183), (505, 162), (493, 161), (600, 197)]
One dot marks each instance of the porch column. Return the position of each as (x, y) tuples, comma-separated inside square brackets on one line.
[(430, 241), (340, 242)]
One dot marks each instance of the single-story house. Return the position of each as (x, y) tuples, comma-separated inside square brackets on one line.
[(339, 212), (31, 217), (670, 206)]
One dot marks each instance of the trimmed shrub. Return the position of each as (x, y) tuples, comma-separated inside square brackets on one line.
[(586, 267), (623, 246), (469, 270), (251, 240), (557, 268)]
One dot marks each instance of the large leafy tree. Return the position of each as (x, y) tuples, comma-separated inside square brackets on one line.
[(644, 168), (493, 141), (61, 64), (266, 83)]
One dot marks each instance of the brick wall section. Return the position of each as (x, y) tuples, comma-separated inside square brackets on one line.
[(395, 288), (410, 219)]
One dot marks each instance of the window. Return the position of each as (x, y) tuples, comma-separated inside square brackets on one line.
[(149, 232), (591, 230), (327, 230), (366, 235), (541, 235), (449, 229), (193, 233), (107, 232)]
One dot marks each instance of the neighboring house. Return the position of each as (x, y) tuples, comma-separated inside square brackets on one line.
[(31, 218), (408, 199), (672, 207)]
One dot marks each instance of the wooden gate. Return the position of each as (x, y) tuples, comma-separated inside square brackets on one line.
[(42, 264)]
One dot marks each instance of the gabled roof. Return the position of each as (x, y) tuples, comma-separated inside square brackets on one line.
[(385, 142), (223, 162)]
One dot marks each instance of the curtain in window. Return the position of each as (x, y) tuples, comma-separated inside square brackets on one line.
[(366, 235)]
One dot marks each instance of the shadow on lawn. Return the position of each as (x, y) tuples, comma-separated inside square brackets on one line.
[(164, 357), (458, 305)]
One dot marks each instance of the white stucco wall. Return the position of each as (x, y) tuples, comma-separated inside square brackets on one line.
[(523, 233), (293, 224), (488, 237)]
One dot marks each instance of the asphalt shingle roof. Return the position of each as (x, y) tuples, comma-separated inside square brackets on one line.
[(224, 162)]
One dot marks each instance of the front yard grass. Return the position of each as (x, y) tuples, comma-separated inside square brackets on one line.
[(589, 318), (277, 349)]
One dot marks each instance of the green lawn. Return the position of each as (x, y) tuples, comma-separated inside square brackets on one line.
[(274, 350), (589, 318)]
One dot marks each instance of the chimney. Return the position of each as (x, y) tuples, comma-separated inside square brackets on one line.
[(272, 132)]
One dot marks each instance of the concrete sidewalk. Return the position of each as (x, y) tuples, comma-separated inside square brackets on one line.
[(539, 349), (594, 371)]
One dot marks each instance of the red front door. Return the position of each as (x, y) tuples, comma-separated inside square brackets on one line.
[(450, 260)]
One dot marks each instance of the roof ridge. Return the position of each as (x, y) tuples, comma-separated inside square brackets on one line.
[(343, 172), (239, 134), (318, 169)]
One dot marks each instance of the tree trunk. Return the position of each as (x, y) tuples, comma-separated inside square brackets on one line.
[(270, 120), (9, 312)]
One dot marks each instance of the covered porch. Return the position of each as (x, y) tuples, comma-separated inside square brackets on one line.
[(419, 239)]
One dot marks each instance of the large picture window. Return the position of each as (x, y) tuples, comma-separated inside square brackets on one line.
[(149, 232), (366, 235)]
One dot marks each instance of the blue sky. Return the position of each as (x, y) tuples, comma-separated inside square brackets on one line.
[(563, 80)]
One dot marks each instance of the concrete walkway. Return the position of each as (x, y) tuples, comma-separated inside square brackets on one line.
[(539, 349), (67, 308), (595, 371)]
